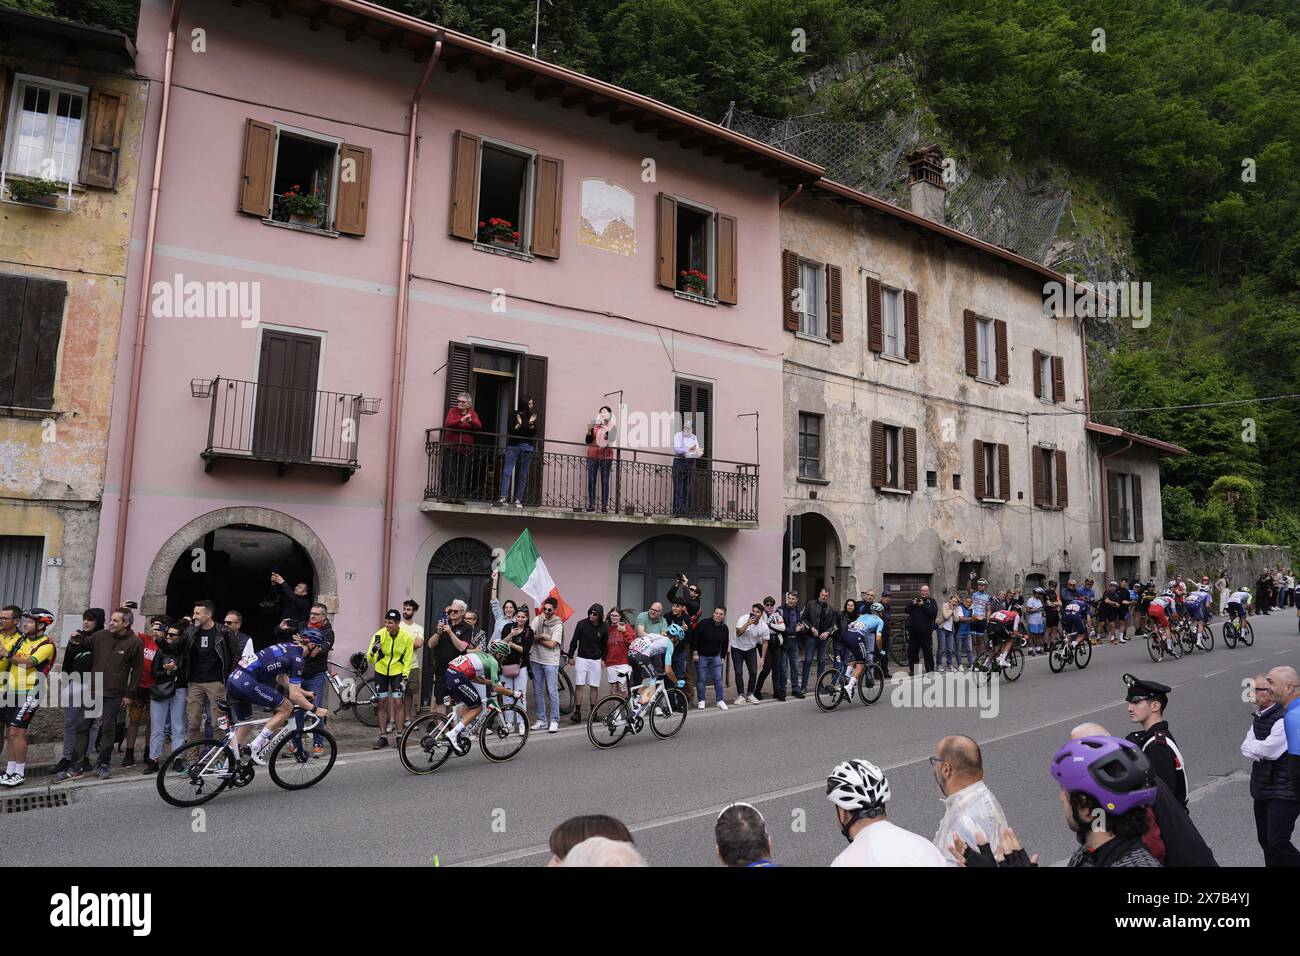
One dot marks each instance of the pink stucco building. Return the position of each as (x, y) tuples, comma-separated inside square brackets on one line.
[(265, 395)]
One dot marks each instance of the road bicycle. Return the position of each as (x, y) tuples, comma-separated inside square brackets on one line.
[(196, 772), (502, 732), (353, 692), (1185, 630), (1234, 632), (617, 715), (830, 690), (987, 661), (1158, 647), (1064, 651)]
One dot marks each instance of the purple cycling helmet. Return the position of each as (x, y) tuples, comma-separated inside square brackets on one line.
[(1112, 771)]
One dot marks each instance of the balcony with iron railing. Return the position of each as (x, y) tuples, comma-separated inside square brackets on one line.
[(563, 481), (281, 424)]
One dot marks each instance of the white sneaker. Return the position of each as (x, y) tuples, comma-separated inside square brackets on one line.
[(750, 698), (8, 779), (740, 699), (554, 728), (519, 504), (501, 501), (700, 705), (722, 705), (1002, 661), (539, 724)]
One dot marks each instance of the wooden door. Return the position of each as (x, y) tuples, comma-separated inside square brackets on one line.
[(284, 422)]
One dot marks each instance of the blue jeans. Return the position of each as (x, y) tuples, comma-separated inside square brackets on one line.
[(947, 656), (523, 453), (162, 711), (790, 651), (683, 478), (706, 669), (546, 690), (812, 645), (598, 468), (964, 647), (316, 685)]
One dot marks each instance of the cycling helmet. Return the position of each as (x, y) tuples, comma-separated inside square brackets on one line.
[(313, 635), (1245, 589), (498, 648), (878, 609), (1039, 591), (1203, 587), (676, 632), (1112, 771), (359, 661), (39, 615), (856, 785), (982, 582), (1167, 593)]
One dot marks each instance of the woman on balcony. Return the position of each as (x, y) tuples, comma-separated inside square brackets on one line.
[(519, 451), (458, 442), (601, 433)]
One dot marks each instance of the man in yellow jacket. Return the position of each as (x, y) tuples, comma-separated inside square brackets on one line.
[(391, 652)]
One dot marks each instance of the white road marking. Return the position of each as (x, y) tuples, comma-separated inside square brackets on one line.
[(1215, 674)]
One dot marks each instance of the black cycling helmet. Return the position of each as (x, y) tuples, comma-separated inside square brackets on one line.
[(359, 661)]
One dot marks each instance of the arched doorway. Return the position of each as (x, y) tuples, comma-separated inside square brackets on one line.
[(232, 566), (811, 559), (461, 568), (647, 572)]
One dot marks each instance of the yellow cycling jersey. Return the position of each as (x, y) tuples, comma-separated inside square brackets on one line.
[(391, 655), (40, 649)]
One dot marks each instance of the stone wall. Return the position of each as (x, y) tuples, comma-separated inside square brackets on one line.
[(1243, 562)]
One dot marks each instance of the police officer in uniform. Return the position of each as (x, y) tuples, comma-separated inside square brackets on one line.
[(1147, 701)]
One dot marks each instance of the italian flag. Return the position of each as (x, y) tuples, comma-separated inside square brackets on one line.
[(524, 568)]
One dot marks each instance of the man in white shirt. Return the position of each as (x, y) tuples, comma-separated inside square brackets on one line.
[(860, 791), (686, 448), (410, 703), (1271, 787), (970, 809)]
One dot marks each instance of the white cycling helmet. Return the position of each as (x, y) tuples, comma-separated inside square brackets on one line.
[(1167, 593), (1203, 587), (857, 785)]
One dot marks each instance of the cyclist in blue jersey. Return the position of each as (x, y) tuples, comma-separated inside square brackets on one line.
[(858, 643), (1074, 620), (260, 682), (1198, 609), (648, 655)]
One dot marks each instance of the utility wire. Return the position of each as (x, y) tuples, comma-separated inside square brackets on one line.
[(1171, 408)]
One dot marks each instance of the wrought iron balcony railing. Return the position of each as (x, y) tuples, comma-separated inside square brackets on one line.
[(562, 476), (282, 424)]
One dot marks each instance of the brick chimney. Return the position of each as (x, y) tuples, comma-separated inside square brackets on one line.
[(925, 179)]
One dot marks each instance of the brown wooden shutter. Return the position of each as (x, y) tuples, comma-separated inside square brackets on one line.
[(980, 477), (103, 139), (548, 190), (911, 317), (789, 285), (1036, 464), (727, 280), (354, 190), (1058, 378), (1137, 507), (1038, 374), (909, 459), (466, 148), (1004, 466), (877, 454), (32, 313), (1112, 504), (259, 158), (666, 241), (532, 382), (1062, 482), (972, 343), (460, 375), (5, 73), (1004, 366), (875, 328), (834, 304)]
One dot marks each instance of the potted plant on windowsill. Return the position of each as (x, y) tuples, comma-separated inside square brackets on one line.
[(498, 232), (695, 282), (36, 192), (304, 209)]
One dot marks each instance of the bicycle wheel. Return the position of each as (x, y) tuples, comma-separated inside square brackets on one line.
[(1056, 657), (299, 770), (827, 692), (1082, 655), (609, 721), (1187, 637), (1247, 633), (1229, 634), (418, 749), (1208, 636), (869, 695), (898, 650), (566, 692), (504, 734), (1175, 648), (1015, 665), (364, 704), (1155, 648), (209, 766), (664, 726)]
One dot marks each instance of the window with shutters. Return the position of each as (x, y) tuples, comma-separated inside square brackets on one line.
[(505, 190), (1125, 506), (697, 253), (305, 180), (1045, 475), (992, 471), (305, 166), (695, 250), (810, 445), (45, 122), (893, 458), (892, 321), (1044, 376), (987, 345), (31, 324), (812, 301)]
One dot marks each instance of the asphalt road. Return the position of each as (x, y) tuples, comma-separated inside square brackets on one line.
[(369, 810)]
